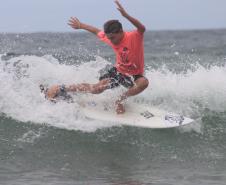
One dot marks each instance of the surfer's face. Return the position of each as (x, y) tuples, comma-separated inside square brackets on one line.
[(115, 38)]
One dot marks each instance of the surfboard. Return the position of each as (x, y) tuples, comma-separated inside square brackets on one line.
[(139, 115)]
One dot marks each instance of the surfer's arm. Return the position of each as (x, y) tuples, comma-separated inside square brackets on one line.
[(140, 27), (76, 24)]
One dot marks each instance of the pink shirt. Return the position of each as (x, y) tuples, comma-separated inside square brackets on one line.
[(129, 52)]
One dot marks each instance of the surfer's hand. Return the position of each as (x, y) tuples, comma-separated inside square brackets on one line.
[(121, 9), (120, 109), (74, 23)]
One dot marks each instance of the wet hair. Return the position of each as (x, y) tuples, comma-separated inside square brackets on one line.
[(112, 26)]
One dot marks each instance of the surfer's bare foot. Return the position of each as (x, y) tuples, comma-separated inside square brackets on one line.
[(52, 92), (120, 109)]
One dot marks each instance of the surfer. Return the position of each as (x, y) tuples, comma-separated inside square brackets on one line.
[(129, 68)]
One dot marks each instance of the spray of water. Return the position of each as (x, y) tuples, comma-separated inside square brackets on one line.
[(189, 94)]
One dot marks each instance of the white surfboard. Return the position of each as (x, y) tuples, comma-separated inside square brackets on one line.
[(136, 114)]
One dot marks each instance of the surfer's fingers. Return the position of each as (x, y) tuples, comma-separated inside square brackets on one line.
[(75, 23), (119, 5), (75, 19), (72, 21)]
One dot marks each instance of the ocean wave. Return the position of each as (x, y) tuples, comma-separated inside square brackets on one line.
[(191, 93)]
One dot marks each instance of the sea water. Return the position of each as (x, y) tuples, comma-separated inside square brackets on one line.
[(45, 143)]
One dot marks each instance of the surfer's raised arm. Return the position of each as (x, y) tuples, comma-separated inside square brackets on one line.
[(140, 27), (76, 24)]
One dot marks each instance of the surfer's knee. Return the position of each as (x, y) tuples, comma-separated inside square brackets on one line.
[(145, 83), (142, 83)]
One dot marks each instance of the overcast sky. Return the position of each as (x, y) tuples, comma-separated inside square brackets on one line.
[(52, 15)]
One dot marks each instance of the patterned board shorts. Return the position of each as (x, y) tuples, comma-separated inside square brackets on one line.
[(118, 79)]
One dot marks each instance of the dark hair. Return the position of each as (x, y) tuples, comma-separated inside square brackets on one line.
[(112, 26)]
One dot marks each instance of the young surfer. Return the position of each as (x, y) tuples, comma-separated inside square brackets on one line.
[(129, 67)]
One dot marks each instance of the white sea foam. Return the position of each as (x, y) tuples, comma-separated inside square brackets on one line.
[(20, 98), (191, 92)]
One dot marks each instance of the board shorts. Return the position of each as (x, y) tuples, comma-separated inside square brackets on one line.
[(117, 79)]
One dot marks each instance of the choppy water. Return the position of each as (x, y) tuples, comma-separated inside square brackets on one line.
[(42, 143)]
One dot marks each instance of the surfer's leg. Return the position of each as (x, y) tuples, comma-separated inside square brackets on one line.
[(139, 85), (54, 91), (89, 88)]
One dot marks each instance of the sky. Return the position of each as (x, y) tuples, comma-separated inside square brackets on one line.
[(53, 15)]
